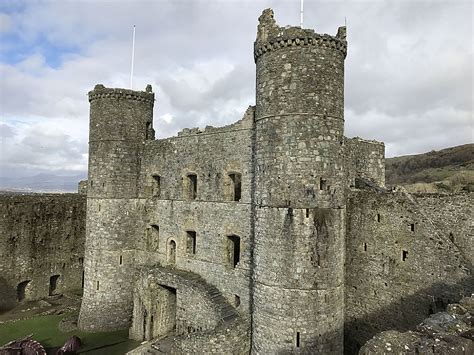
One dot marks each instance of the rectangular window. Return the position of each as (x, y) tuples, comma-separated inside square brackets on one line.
[(378, 217), (97, 285), (120, 260), (322, 184), (297, 339), (236, 186), (233, 250), (192, 186), (191, 242), (156, 188), (307, 213), (412, 227)]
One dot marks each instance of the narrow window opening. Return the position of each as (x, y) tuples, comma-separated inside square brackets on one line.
[(378, 217), (236, 186), (192, 186), (297, 339), (307, 213), (53, 284), (81, 261), (120, 260), (97, 286), (21, 290), (404, 255), (191, 242), (147, 130), (153, 237), (92, 183), (451, 237), (82, 280), (365, 246), (172, 252), (233, 250), (412, 227), (236, 300), (322, 184), (156, 189)]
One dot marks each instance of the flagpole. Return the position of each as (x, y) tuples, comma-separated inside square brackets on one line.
[(133, 57), (301, 14)]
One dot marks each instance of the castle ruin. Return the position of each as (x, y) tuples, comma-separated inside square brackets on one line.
[(274, 234)]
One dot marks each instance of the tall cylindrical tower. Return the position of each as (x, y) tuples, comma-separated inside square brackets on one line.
[(298, 290), (120, 122)]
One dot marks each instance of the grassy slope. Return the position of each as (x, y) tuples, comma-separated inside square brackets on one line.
[(45, 330), (447, 170)]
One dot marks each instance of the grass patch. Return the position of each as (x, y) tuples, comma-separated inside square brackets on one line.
[(45, 330)]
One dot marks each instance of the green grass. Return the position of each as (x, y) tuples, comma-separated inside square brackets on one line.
[(45, 330)]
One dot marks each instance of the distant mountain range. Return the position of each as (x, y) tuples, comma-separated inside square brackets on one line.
[(42, 183), (446, 170)]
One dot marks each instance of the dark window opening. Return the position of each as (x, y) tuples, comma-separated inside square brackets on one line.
[(81, 261), (97, 286), (404, 255), (92, 183), (21, 290), (156, 188), (412, 227), (233, 250), (236, 300), (191, 242), (153, 237), (322, 184), (307, 213), (53, 284), (120, 260), (82, 279), (378, 217), (147, 130), (236, 186), (172, 252), (365, 246), (451, 237), (297, 339), (192, 186)]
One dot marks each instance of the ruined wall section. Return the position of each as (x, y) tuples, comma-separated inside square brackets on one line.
[(41, 235), (399, 268), (212, 215), (452, 214), (364, 159), (299, 190)]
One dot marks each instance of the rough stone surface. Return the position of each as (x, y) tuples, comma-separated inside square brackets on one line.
[(449, 332), (41, 235)]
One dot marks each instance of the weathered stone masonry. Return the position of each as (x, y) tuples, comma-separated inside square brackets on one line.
[(42, 239), (257, 237)]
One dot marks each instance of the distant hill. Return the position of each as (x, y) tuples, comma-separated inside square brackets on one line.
[(447, 170), (41, 183)]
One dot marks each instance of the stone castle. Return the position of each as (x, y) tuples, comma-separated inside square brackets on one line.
[(272, 235)]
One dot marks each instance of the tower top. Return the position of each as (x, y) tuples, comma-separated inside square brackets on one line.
[(100, 91), (270, 36)]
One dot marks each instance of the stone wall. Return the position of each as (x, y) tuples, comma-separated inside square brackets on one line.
[(399, 267), (364, 159), (452, 214), (41, 235)]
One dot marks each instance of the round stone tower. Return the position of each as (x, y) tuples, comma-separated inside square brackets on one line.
[(298, 295), (120, 122)]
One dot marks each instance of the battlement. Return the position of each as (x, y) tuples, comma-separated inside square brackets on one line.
[(101, 92), (271, 37)]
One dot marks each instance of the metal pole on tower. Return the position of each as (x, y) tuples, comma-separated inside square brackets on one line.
[(133, 58), (301, 14)]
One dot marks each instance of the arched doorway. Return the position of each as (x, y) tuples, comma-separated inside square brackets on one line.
[(172, 252)]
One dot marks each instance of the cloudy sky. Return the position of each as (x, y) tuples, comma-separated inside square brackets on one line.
[(409, 69)]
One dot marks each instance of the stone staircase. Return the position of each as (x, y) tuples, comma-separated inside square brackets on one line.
[(227, 312)]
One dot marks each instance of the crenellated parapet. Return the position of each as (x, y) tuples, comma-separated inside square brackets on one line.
[(101, 92), (271, 37)]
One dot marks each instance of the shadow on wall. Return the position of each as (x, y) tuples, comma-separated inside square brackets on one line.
[(405, 314), (7, 296)]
